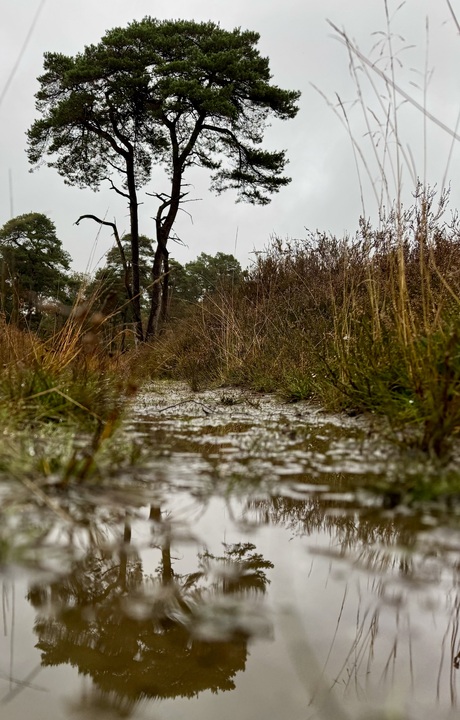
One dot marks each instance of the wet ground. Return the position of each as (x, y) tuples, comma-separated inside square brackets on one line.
[(254, 560)]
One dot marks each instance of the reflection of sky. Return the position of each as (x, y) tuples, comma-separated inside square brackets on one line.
[(323, 596), (329, 596), (328, 589), (324, 192)]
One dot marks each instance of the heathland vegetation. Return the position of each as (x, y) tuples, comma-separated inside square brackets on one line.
[(367, 323)]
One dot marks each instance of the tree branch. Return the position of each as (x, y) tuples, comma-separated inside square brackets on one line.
[(114, 187), (226, 131), (119, 245), (96, 128)]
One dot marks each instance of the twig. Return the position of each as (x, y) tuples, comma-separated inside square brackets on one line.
[(206, 408)]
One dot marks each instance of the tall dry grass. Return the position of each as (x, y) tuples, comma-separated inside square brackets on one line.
[(367, 323), (66, 377)]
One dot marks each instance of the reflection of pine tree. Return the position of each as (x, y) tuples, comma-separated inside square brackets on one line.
[(238, 569), (133, 634)]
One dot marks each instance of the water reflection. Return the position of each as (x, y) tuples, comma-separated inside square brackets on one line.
[(161, 635), (400, 606), (134, 589)]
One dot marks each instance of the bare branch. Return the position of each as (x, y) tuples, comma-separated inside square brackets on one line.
[(98, 220), (160, 196), (119, 245), (178, 240), (167, 198), (117, 190)]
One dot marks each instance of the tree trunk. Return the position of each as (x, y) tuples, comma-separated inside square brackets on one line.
[(134, 226), (159, 297), (165, 287), (155, 297)]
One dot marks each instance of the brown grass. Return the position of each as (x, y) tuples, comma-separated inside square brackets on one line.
[(370, 323)]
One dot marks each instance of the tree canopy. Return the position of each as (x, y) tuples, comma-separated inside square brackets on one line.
[(191, 282), (34, 265), (170, 93)]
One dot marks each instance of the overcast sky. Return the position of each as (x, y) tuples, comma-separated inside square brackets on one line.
[(324, 193)]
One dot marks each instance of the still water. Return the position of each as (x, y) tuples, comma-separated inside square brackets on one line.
[(243, 565)]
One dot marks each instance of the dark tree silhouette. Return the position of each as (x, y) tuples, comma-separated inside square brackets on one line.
[(173, 94), (34, 266)]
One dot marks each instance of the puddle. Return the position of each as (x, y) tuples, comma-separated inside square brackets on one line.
[(244, 567)]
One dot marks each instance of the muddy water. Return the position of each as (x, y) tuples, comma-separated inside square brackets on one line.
[(243, 565)]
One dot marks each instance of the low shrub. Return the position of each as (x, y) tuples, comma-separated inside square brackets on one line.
[(367, 323)]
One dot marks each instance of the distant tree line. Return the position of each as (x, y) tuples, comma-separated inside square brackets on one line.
[(38, 288)]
